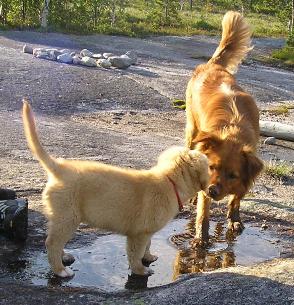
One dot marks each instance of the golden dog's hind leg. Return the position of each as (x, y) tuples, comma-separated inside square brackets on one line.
[(234, 221), (202, 219), (191, 129), (136, 248), (58, 235)]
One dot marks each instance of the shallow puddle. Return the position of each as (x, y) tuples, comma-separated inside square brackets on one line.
[(103, 264)]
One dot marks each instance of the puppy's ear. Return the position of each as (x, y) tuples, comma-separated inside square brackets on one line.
[(252, 167), (205, 141)]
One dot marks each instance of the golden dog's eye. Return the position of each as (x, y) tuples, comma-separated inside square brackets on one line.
[(211, 167), (232, 176)]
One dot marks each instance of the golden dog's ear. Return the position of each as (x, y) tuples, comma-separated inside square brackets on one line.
[(252, 167), (205, 141)]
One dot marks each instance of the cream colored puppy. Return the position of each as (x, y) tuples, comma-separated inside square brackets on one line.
[(135, 203)]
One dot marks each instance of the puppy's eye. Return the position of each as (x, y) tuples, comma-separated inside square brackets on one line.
[(232, 176)]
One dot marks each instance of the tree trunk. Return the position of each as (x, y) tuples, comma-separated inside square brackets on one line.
[(182, 4), (277, 130), (191, 5), (113, 17), (23, 11), (292, 18), (44, 14)]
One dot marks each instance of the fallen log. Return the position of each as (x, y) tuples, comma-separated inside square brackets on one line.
[(277, 130)]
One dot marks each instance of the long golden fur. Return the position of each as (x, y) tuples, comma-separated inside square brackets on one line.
[(126, 201), (223, 123)]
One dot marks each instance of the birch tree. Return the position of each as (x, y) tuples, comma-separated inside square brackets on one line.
[(44, 14)]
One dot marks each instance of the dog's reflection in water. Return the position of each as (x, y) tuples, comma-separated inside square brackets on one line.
[(193, 259)]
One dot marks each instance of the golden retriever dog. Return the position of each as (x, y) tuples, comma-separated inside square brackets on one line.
[(223, 123), (134, 203)]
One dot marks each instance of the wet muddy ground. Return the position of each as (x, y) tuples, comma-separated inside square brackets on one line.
[(101, 262), (125, 118)]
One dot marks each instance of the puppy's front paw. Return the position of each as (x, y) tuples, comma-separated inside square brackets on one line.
[(66, 272), (148, 271), (143, 271), (235, 226)]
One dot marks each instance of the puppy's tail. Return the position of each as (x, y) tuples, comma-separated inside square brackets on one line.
[(48, 162), (235, 42)]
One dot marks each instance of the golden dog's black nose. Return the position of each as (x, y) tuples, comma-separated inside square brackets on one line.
[(213, 190)]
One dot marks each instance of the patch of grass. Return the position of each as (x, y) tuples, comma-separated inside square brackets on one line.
[(279, 169), (279, 110), (286, 55), (179, 104)]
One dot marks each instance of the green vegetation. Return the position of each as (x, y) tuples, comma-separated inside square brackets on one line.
[(279, 169), (144, 17), (286, 55), (279, 110), (180, 104)]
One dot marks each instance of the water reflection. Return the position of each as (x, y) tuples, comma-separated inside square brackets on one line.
[(103, 263), (193, 259)]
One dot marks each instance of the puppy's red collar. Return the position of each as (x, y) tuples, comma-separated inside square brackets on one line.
[(177, 194)]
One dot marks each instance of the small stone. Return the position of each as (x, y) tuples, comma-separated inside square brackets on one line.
[(72, 54), (97, 56), (264, 226), (86, 53), (77, 60), (27, 49), (104, 63), (65, 58), (53, 53), (88, 61), (107, 55), (121, 62), (37, 51), (133, 56), (41, 53), (63, 51), (270, 141)]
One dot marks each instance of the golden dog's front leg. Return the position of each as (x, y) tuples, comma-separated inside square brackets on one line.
[(136, 249), (234, 221), (202, 219)]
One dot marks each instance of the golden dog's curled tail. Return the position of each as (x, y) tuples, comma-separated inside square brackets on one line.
[(48, 162), (235, 42)]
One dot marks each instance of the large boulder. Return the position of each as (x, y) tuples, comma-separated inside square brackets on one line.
[(88, 61), (77, 60), (97, 56), (65, 58), (86, 53), (121, 62), (104, 63), (107, 55), (27, 49), (133, 56)]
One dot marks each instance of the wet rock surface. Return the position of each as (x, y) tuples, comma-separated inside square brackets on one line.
[(125, 117)]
